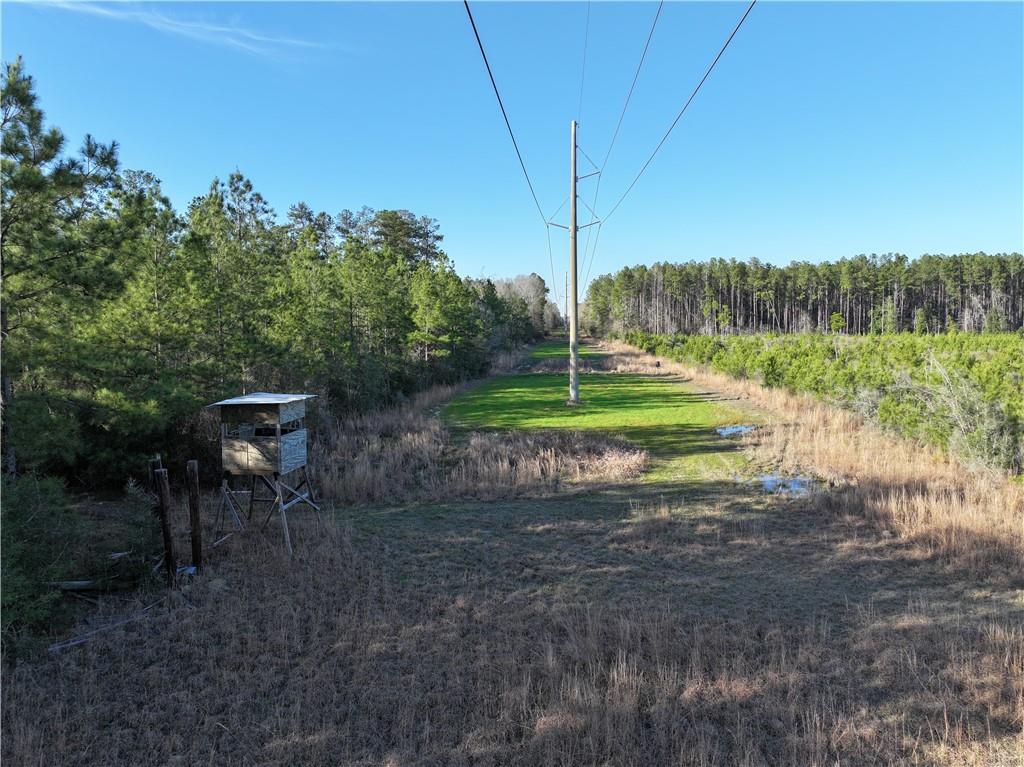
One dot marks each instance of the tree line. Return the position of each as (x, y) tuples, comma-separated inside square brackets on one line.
[(121, 316), (962, 391), (864, 294)]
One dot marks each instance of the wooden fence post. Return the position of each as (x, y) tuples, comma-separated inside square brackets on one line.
[(155, 464), (195, 523), (163, 508)]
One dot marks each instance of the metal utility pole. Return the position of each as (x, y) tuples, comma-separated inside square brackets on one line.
[(574, 361)]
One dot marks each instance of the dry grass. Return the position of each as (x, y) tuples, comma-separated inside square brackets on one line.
[(587, 364), (407, 454), (384, 647), (688, 623), (971, 517), (509, 361)]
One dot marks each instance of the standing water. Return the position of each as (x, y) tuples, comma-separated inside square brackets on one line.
[(733, 431), (792, 486)]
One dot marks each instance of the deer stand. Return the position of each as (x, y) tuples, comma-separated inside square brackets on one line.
[(263, 437)]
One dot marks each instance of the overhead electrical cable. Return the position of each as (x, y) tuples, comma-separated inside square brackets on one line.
[(504, 113), (596, 167), (551, 260), (558, 209), (583, 68), (586, 279), (512, 135), (593, 251), (636, 77), (683, 110), (615, 135)]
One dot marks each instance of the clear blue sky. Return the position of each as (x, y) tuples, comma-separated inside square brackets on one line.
[(828, 129)]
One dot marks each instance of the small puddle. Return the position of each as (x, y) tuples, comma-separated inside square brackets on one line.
[(792, 486), (732, 431)]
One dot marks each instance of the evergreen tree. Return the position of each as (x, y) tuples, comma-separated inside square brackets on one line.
[(59, 241)]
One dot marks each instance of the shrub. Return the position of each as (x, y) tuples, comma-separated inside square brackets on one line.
[(964, 392), (37, 527), (45, 540)]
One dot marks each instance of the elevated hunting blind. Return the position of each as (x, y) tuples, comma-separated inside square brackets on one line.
[(263, 437)]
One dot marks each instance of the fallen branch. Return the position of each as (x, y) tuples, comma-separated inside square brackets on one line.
[(83, 638), (101, 584), (75, 585)]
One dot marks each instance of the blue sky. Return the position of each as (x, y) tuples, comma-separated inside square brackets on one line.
[(827, 129)]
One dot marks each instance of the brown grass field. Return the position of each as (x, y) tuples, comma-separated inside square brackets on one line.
[(970, 516), (549, 606)]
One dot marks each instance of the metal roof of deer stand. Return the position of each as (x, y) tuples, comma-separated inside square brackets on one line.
[(263, 437)]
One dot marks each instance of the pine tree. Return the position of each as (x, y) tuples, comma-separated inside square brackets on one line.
[(59, 238)]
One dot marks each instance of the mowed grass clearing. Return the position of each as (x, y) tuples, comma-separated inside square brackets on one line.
[(673, 420), (558, 348)]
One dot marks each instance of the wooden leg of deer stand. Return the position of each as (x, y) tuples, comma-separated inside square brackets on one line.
[(252, 495), (284, 518), (220, 509), (312, 497), (227, 503)]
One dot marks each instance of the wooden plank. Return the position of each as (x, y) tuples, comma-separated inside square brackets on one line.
[(234, 455), (293, 451), (301, 498), (293, 411), (228, 503), (220, 540), (194, 521), (309, 483), (284, 518), (263, 455)]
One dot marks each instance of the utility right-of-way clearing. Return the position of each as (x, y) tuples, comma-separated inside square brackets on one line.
[(684, 617)]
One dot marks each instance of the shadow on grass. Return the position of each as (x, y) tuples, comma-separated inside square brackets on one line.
[(720, 548), (895, 634), (685, 623)]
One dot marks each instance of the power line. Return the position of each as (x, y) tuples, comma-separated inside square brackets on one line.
[(615, 135), (579, 108), (583, 69), (593, 255), (590, 229), (683, 110), (586, 279), (636, 77), (588, 158), (558, 209), (551, 260), (515, 143), (504, 114), (596, 236), (592, 211)]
